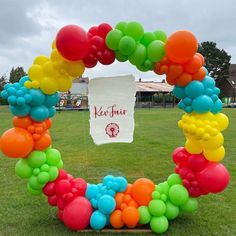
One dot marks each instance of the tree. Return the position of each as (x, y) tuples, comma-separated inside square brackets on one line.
[(16, 74), (3, 81), (217, 61)]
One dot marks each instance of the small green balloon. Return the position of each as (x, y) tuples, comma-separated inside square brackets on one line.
[(53, 157), (53, 173), (44, 167), (156, 195), (113, 38), (142, 68), (157, 207), (160, 35), (127, 45), (145, 215), (36, 159), (134, 30), (34, 191), (120, 57), (43, 177), (163, 188), (172, 211), (163, 197), (60, 164), (148, 64), (36, 171), (138, 56), (156, 50), (178, 194), (121, 26), (147, 38), (190, 206), (34, 183), (174, 179), (159, 224), (22, 169)]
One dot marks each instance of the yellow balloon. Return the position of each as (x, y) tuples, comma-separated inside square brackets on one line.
[(35, 84), (53, 44), (214, 155), (28, 84), (222, 120), (35, 72), (48, 69), (64, 84), (75, 69), (40, 60), (55, 56), (48, 85), (193, 146), (214, 142)]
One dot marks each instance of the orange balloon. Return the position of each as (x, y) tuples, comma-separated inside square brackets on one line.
[(170, 80), (193, 65), (142, 191), (181, 46), (130, 216), (16, 142), (119, 199), (184, 79), (201, 57), (133, 204), (128, 189), (200, 75), (22, 122), (127, 198), (160, 69), (43, 142), (48, 123), (175, 71), (116, 220)]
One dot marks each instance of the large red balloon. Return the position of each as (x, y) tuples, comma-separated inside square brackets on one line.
[(72, 42), (76, 214)]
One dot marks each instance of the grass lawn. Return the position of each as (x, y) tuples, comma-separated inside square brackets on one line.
[(156, 136)]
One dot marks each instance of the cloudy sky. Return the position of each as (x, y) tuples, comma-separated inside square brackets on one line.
[(28, 27)]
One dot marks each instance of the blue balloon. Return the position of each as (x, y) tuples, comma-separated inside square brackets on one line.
[(111, 192), (194, 89), (97, 220), (52, 100), (122, 182), (208, 82), (103, 190), (20, 110), (217, 106), (38, 97), (91, 191), (107, 179), (106, 204), (179, 92), (202, 104), (39, 113), (94, 203)]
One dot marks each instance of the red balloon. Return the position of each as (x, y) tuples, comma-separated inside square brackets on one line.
[(213, 178), (180, 156), (197, 162), (93, 31), (79, 185), (108, 57), (62, 187), (76, 214), (98, 42), (90, 61), (72, 42), (104, 29)]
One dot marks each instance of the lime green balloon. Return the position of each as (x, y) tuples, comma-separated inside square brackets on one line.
[(53, 157), (163, 188), (147, 38), (157, 207), (190, 206), (60, 164), (174, 179), (120, 57), (156, 50), (34, 191), (148, 64), (43, 177), (160, 35), (156, 195), (53, 173), (139, 55), (142, 68), (121, 26), (113, 38), (163, 197), (134, 30), (159, 224), (34, 183), (36, 159), (22, 169), (172, 211), (44, 167), (145, 215), (127, 45), (36, 171), (178, 194)]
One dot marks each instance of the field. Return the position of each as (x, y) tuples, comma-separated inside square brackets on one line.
[(156, 136)]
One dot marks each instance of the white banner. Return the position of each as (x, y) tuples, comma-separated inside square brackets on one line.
[(111, 105)]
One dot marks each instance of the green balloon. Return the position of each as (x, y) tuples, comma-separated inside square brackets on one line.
[(159, 224), (44, 167), (113, 38), (156, 195), (34, 183), (142, 68), (160, 35), (163, 188), (22, 169), (147, 38), (60, 164), (138, 56), (120, 57), (190, 206), (174, 179), (34, 191), (134, 30), (121, 26), (148, 64), (156, 50), (178, 194), (53, 173), (53, 157), (157, 207), (36, 159), (36, 171), (172, 211), (163, 197), (145, 215), (127, 45), (43, 177)]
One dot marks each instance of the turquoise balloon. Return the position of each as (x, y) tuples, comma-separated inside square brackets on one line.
[(172, 211), (53, 156), (147, 38), (178, 194), (202, 104), (98, 220), (121, 26), (113, 38), (127, 45), (23, 170), (190, 206), (179, 92), (145, 215), (159, 224), (120, 57), (36, 159), (156, 50), (138, 56), (194, 89), (160, 35), (134, 30), (39, 113)]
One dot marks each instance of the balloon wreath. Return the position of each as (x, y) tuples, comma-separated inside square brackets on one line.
[(32, 101)]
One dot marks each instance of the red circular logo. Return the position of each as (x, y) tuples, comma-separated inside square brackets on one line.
[(112, 130)]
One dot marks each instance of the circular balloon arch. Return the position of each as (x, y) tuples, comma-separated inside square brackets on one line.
[(114, 202)]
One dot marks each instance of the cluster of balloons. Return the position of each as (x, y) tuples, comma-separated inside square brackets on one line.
[(203, 134), (129, 42), (32, 102), (199, 96), (39, 168), (199, 175)]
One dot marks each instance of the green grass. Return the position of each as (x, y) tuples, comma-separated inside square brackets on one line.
[(156, 136)]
